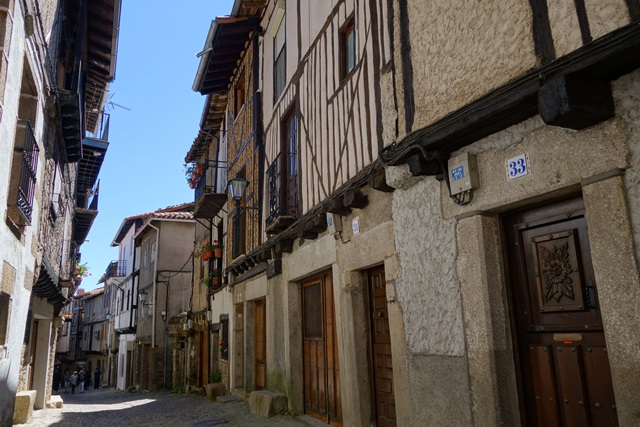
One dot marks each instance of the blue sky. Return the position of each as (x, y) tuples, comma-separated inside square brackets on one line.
[(143, 167)]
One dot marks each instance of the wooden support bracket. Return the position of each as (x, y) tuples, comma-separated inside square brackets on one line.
[(336, 206), (355, 199), (379, 183), (575, 103)]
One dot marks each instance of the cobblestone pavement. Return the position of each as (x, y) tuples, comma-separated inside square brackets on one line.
[(108, 407)]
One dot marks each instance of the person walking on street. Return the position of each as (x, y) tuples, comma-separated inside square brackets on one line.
[(81, 381), (96, 379), (74, 381), (67, 381)]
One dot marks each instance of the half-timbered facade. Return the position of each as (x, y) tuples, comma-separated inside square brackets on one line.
[(518, 289), (328, 232), (229, 144)]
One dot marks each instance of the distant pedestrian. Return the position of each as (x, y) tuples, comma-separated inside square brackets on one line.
[(74, 381), (96, 379), (81, 381), (67, 381)]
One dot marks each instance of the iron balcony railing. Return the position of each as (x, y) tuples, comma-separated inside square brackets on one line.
[(116, 269), (27, 186), (280, 204), (213, 178)]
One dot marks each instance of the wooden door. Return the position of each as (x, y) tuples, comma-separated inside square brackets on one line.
[(381, 360), (564, 369), (260, 344), (322, 397)]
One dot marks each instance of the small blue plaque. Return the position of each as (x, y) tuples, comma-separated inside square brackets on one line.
[(457, 173)]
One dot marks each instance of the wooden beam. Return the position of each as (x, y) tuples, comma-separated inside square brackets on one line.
[(307, 235), (607, 58), (575, 103), (284, 246), (336, 206), (379, 183), (355, 199), (318, 224), (419, 166)]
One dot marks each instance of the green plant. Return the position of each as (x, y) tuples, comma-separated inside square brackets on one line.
[(205, 246), (179, 389), (224, 348), (216, 377), (81, 271), (213, 278), (193, 172)]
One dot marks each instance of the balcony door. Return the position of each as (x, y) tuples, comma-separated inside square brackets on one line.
[(290, 164)]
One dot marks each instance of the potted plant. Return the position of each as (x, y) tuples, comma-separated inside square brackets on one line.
[(216, 276), (224, 349), (192, 173), (81, 271), (205, 250), (217, 249), (214, 279)]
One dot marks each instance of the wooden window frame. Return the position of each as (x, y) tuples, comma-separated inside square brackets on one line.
[(347, 33), (239, 98), (279, 60)]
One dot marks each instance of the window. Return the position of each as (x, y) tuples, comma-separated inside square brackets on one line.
[(25, 156), (347, 48), (239, 223), (290, 164), (239, 97), (5, 303), (225, 339), (6, 26), (280, 61), (55, 196)]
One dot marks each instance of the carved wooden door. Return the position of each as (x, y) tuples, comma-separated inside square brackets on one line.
[(260, 344), (322, 397), (382, 366), (564, 369)]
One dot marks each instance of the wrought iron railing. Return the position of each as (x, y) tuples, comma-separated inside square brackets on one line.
[(278, 203), (116, 269), (213, 178), (27, 186)]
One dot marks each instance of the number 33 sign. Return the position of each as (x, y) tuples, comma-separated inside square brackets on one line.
[(518, 166)]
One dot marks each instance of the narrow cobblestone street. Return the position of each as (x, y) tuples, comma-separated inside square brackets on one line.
[(108, 407)]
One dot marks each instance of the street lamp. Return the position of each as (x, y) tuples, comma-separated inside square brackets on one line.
[(238, 186), (143, 295)]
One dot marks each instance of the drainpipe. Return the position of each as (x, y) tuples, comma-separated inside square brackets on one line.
[(155, 291)]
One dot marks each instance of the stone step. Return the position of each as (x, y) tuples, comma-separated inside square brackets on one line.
[(55, 402)]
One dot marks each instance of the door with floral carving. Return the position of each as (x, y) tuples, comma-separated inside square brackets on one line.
[(561, 350)]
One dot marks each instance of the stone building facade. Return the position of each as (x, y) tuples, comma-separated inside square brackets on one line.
[(47, 213)]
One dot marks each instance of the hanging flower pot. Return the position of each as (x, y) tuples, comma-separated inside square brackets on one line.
[(206, 255), (217, 251)]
